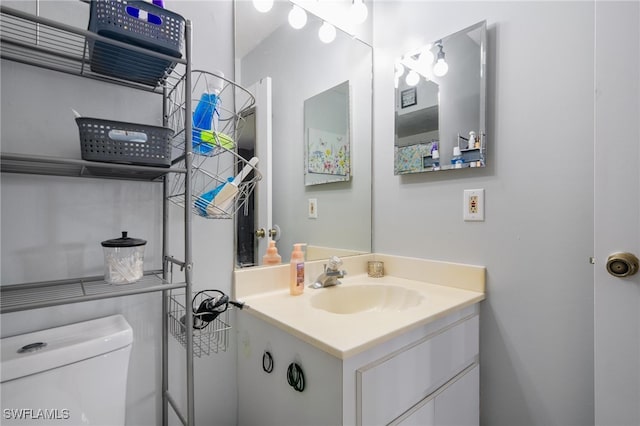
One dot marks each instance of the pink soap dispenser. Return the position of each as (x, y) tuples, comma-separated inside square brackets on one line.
[(272, 257), (296, 275)]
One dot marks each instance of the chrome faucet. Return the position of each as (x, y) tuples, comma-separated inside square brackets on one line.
[(330, 275)]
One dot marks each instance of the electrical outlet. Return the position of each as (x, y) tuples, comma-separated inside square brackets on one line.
[(312, 211), (473, 205)]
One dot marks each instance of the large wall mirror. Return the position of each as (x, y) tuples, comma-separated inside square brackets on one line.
[(327, 206), (440, 121)]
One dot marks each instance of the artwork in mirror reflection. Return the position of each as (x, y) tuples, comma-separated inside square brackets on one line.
[(327, 139), (440, 119)]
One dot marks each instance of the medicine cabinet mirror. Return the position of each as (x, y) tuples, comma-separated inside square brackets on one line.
[(440, 112), (331, 212)]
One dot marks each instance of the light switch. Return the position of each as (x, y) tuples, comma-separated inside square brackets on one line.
[(313, 208)]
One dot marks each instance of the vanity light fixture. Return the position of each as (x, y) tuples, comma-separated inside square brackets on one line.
[(441, 67), (327, 32), (263, 5), (358, 12), (297, 17)]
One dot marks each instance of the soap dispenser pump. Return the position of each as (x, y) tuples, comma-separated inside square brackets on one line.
[(272, 257)]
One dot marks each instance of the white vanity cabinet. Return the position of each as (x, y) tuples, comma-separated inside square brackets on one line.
[(427, 375), (457, 403)]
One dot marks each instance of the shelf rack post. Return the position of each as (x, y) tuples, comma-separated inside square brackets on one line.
[(165, 275), (167, 400), (187, 231)]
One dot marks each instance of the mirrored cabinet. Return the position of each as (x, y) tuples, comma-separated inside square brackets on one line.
[(440, 111)]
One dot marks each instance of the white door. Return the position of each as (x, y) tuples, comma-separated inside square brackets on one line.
[(262, 91), (255, 140), (617, 211)]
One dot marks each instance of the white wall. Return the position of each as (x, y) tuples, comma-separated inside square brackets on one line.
[(537, 322), (52, 226)]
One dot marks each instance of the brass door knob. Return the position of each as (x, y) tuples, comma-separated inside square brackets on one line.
[(274, 233), (622, 264)]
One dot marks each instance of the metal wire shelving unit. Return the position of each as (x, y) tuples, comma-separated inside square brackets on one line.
[(45, 43), (216, 161)]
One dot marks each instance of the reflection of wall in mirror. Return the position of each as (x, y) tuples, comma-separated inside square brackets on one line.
[(417, 123), (426, 96), (300, 67), (459, 92), (416, 126)]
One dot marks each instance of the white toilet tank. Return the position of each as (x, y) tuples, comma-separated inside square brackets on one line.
[(70, 375)]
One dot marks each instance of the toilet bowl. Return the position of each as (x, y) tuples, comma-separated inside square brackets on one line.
[(70, 375)]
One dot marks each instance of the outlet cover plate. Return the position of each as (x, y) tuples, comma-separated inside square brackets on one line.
[(473, 205)]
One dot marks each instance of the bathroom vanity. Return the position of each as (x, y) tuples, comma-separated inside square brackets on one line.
[(402, 349)]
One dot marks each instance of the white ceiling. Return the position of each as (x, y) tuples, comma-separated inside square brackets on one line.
[(261, 24)]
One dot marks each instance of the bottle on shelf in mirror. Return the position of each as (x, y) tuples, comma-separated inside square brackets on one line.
[(457, 160), (435, 155), (472, 140)]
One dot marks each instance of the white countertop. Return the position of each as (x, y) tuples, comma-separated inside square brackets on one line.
[(344, 335)]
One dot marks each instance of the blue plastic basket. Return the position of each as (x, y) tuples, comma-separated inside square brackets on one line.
[(137, 23)]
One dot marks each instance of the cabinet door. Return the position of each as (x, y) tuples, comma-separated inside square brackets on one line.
[(423, 416), (389, 387), (459, 403)]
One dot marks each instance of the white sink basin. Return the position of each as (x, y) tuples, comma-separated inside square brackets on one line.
[(356, 298)]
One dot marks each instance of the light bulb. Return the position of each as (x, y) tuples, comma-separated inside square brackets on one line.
[(297, 17), (263, 5), (327, 33), (412, 78), (358, 12), (399, 70), (440, 68)]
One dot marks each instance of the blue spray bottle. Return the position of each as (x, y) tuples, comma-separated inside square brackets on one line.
[(205, 118), (202, 122)]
